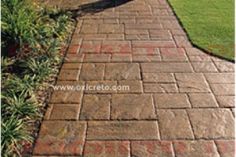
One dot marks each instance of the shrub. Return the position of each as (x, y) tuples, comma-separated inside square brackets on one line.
[(31, 41), (18, 25), (13, 132), (29, 27), (39, 68)]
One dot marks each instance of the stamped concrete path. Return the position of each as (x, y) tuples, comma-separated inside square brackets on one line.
[(179, 103)]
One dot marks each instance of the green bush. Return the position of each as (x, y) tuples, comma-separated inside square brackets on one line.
[(18, 24), (18, 106), (31, 42), (38, 68), (29, 27), (13, 132)]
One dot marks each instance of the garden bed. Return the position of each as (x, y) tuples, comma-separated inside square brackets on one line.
[(34, 40)]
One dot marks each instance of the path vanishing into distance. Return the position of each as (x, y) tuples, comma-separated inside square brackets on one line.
[(149, 92)]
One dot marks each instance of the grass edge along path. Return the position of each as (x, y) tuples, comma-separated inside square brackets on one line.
[(209, 24)]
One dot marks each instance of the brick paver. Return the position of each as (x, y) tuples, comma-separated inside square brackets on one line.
[(107, 148), (179, 101), (177, 119), (152, 148), (132, 106), (195, 149)]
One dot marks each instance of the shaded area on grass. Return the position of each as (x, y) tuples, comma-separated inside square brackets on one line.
[(209, 24)]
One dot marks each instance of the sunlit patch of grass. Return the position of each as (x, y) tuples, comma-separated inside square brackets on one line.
[(209, 24)]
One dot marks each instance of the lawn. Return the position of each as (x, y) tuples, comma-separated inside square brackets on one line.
[(209, 24)]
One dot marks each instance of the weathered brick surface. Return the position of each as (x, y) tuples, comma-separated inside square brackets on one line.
[(69, 75), (132, 86), (65, 111), (195, 52), (145, 58), (213, 124), (226, 101), (89, 29), (152, 149), (143, 26), (204, 67), (106, 149), (61, 137), (171, 24), (199, 58), (158, 77), (92, 21), (71, 66), (136, 31), (177, 119), (137, 37), (145, 51), (76, 40), (226, 148), (90, 47), (160, 88), (73, 58), (171, 101), (225, 66), (115, 37), (195, 149), (152, 44), (166, 67), (116, 47), (122, 71), (177, 32), (203, 100), (101, 87), (223, 89), (143, 82), (74, 49), (110, 28), (111, 21), (160, 35), (121, 130), (220, 77), (95, 107), (92, 71), (182, 42), (97, 58), (132, 106), (90, 37), (121, 58), (173, 54), (65, 95), (192, 83), (141, 20)]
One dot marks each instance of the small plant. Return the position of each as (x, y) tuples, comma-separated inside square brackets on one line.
[(19, 106), (18, 85), (27, 27), (6, 63), (13, 132), (39, 67), (18, 25), (31, 42)]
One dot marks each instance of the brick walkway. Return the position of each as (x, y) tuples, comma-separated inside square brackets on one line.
[(180, 102)]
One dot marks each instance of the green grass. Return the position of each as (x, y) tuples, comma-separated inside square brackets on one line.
[(209, 24)]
